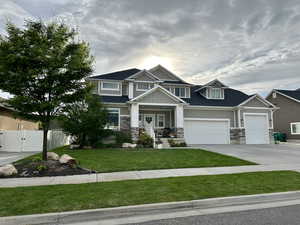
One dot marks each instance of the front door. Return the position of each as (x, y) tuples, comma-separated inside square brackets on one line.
[(149, 119)]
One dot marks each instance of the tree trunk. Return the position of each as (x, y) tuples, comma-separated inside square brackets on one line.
[(45, 137)]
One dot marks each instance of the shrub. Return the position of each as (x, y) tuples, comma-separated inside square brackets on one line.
[(172, 143), (41, 167), (36, 159), (122, 137), (145, 140)]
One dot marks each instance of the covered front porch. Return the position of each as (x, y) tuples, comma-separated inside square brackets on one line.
[(165, 119)]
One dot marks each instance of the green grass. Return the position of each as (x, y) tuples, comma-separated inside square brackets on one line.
[(57, 198), (111, 160)]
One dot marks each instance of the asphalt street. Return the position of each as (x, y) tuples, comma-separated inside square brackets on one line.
[(289, 215)]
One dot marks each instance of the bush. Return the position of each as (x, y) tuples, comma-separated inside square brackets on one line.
[(172, 143), (145, 140), (122, 137)]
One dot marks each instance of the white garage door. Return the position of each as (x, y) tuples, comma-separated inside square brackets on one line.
[(206, 131), (256, 129)]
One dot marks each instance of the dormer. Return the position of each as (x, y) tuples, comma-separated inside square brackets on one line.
[(212, 90)]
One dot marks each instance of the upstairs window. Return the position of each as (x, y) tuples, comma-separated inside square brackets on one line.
[(114, 86), (143, 86), (181, 92), (216, 93)]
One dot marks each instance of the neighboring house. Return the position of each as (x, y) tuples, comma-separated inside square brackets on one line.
[(9, 122), (287, 117), (199, 114)]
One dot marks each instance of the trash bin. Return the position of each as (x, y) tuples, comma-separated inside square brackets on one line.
[(278, 136)]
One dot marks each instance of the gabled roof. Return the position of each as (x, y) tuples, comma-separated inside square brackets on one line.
[(211, 84), (231, 98), (292, 94), (160, 67), (261, 99), (162, 90), (147, 73), (119, 75)]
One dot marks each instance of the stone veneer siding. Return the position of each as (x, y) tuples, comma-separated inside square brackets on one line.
[(125, 123), (179, 132), (134, 133), (238, 136)]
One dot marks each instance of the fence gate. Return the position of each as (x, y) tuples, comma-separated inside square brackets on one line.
[(21, 140)]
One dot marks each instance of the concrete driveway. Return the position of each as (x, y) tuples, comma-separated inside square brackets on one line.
[(261, 154), (9, 157)]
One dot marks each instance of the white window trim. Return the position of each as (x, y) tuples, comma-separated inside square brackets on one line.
[(172, 90), (140, 89), (164, 120), (110, 89), (210, 91), (291, 126), (114, 127)]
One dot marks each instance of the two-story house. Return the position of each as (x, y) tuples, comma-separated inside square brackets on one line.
[(212, 113), (287, 117)]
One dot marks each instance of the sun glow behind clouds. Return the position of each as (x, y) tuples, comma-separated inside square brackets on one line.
[(151, 61)]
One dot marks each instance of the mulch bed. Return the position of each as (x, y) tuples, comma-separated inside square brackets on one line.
[(47, 168)]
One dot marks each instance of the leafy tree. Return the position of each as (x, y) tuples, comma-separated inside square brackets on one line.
[(86, 121), (43, 67)]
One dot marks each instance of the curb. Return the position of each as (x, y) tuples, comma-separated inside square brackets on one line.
[(148, 209)]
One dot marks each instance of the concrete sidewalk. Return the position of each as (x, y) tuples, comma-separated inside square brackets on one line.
[(150, 212), (145, 174)]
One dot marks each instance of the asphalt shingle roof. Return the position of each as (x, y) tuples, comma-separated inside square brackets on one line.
[(231, 98), (114, 99), (119, 75), (175, 82), (291, 93)]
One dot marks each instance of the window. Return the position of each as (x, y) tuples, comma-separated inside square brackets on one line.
[(110, 86), (143, 86), (160, 120), (216, 93), (113, 118), (180, 92), (295, 128)]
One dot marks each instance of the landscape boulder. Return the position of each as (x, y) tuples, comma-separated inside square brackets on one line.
[(8, 170), (52, 156), (66, 159), (128, 145)]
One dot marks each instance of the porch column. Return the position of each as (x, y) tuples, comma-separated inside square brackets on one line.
[(179, 121), (130, 90), (134, 121)]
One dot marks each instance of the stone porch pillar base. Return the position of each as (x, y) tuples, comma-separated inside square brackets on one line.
[(134, 133)]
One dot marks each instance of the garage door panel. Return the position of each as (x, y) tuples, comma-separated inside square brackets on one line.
[(256, 129), (206, 132)]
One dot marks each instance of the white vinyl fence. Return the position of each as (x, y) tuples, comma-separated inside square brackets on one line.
[(30, 140), (57, 138)]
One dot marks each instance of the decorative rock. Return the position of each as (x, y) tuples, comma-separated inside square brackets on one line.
[(8, 170), (128, 145), (52, 155), (125, 145), (66, 159), (132, 145)]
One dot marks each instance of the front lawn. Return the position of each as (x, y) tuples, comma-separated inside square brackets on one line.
[(110, 160), (58, 198)]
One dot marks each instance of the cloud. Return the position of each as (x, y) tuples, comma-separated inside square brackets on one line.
[(250, 45)]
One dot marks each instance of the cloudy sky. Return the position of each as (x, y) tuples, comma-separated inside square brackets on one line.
[(252, 45)]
